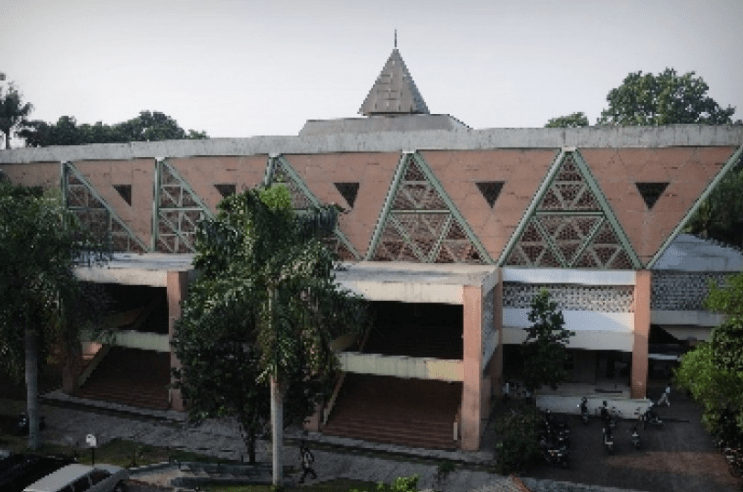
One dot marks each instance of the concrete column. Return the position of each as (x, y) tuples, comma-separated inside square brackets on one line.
[(177, 287), (472, 391), (496, 366), (643, 280)]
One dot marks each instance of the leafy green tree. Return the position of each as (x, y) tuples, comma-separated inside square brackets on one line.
[(518, 440), (148, 126), (544, 349), (574, 120), (42, 304), (720, 215), (13, 111), (668, 98), (267, 291), (713, 372)]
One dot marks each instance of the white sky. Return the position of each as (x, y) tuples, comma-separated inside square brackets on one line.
[(243, 68)]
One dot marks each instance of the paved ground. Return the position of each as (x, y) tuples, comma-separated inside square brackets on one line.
[(679, 458)]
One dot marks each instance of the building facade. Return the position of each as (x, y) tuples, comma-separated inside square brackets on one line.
[(449, 232)]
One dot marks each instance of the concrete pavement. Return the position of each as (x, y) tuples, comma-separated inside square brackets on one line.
[(68, 423)]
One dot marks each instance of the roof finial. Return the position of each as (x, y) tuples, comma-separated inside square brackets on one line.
[(395, 38)]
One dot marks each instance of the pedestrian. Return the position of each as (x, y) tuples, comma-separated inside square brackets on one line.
[(506, 391), (307, 458), (665, 395)]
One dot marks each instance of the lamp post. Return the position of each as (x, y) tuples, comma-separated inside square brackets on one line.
[(92, 442)]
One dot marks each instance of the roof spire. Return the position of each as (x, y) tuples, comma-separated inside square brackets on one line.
[(394, 91)]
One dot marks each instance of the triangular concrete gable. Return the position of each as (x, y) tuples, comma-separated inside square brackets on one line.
[(203, 173), (521, 172), (687, 170), (373, 172), (139, 173)]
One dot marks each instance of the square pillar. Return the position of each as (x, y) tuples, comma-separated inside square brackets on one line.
[(496, 366), (639, 380), (472, 387), (177, 287)]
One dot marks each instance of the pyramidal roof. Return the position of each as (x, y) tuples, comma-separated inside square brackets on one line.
[(394, 92)]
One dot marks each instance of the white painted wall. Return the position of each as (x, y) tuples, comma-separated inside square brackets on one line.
[(402, 366)]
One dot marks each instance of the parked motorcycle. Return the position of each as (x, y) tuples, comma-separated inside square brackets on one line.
[(650, 417), (554, 454), (609, 418), (584, 415), (635, 438), (608, 439), (554, 430), (21, 426)]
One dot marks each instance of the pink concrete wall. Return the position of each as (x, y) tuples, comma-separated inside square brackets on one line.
[(521, 171), (44, 174), (373, 172), (202, 173), (688, 170)]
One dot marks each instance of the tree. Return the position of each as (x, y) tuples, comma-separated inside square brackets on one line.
[(267, 301), (147, 127), (574, 120), (518, 440), (544, 349), (13, 111), (42, 304), (663, 99), (713, 372), (720, 215)]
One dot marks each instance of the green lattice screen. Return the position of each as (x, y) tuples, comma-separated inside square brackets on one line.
[(302, 199), (421, 224), (572, 226), (100, 219), (179, 211)]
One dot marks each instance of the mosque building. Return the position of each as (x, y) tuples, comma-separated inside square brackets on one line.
[(449, 232)]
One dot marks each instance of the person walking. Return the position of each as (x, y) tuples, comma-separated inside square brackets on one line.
[(307, 459), (664, 396)]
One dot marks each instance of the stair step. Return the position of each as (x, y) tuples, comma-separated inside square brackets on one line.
[(133, 377)]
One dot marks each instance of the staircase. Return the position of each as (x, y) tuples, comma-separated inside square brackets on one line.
[(133, 377), (408, 412)]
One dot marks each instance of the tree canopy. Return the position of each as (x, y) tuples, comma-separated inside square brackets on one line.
[(42, 304), (713, 372), (720, 215), (645, 99), (262, 314), (147, 127), (13, 111), (574, 120), (544, 349)]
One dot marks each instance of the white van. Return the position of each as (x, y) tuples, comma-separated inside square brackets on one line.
[(82, 478)]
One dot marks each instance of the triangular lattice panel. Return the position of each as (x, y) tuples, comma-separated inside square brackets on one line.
[(570, 226), (420, 224), (97, 215), (179, 211)]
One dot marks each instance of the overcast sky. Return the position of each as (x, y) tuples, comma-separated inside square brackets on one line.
[(242, 68)]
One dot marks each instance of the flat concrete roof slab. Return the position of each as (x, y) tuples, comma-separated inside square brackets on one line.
[(148, 269)]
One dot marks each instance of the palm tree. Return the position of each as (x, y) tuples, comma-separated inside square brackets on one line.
[(40, 298), (13, 111), (272, 261)]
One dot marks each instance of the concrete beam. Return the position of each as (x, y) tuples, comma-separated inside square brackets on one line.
[(608, 137)]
